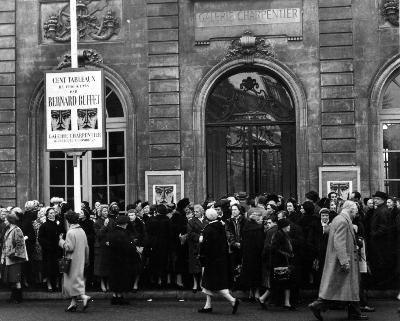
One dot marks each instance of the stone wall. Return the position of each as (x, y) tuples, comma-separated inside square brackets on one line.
[(7, 103)]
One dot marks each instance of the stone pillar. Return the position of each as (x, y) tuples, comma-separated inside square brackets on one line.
[(163, 62), (337, 82), (7, 103)]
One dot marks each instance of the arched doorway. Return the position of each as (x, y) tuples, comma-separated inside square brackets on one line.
[(250, 135), (385, 128), (279, 73)]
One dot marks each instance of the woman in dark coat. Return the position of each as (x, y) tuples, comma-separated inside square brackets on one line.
[(252, 247), (137, 233), (48, 239), (215, 260), (101, 251), (158, 233), (282, 256), (88, 226), (178, 247), (122, 253), (194, 228)]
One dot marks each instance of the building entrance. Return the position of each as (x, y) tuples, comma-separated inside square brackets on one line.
[(250, 136)]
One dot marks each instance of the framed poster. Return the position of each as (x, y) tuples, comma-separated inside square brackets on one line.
[(340, 179), (164, 187), (75, 113), (342, 188), (164, 194)]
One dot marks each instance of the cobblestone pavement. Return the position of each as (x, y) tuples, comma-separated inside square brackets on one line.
[(163, 310)]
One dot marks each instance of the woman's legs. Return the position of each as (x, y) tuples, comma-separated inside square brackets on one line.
[(136, 282), (287, 298), (179, 280), (195, 284), (208, 302), (227, 295), (265, 296), (103, 285)]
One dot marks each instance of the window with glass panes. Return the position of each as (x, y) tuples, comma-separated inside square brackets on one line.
[(390, 129), (103, 172)]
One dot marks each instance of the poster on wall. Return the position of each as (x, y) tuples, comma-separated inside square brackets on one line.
[(341, 188), (164, 187), (75, 113), (164, 194), (340, 179)]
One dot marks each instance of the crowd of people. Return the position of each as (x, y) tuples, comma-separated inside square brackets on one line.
[(274, 247)]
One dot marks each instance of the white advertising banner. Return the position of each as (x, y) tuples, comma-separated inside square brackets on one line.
[(75, 115)]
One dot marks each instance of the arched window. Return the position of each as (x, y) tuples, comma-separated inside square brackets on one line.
[(103, 172), (390, 134), (250, 135)]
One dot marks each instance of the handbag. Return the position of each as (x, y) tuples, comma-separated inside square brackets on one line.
[(64, 264), (282, 273)]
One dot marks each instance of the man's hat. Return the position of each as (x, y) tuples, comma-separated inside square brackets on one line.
[(380, 194)]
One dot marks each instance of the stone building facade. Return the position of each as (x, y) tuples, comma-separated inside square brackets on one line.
[(208, 97)]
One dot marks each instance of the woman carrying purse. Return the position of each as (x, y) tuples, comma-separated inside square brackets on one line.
[(281, 257)]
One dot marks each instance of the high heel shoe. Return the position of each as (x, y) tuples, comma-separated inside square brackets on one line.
[(86, 302), (263, 305), (71, 308)]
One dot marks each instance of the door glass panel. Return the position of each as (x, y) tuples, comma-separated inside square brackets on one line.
[(99, 172), (116, 148), (117, 194), (117, 171), (57, 172), (101, 153), (99, 194), (57, 154), (58, 191), (391, 98)]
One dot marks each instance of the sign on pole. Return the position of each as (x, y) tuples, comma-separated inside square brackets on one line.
[(75, 113)]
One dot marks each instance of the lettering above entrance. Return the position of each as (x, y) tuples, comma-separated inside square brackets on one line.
[(229, 19), (98, 20)]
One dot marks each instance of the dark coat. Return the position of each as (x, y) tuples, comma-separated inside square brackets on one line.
[(28, 230), (48, 239), (122, 254), (234, 229), (158, 232), (101, 250), (179, 251), (138, 235), (379, 244), (194, 229), (252, 246), (214, 257), (281, 256)]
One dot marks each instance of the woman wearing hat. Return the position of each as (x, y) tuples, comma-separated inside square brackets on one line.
[(122, 253), (214, 259), (101, 251), (76, 248), (13, 254), (158, 233), (48, 239), (281, 257)]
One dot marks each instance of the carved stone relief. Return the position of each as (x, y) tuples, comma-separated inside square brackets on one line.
[(98, 20), (249, 47), (390, 12), (85, 56)]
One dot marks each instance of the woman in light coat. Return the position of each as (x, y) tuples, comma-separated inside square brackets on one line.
[(13, 254), (76, 248)]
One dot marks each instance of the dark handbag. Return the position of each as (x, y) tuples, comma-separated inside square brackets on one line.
[(64, 264), (282, 273)]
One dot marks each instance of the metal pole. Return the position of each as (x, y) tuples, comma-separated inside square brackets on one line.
[(74, 34), (74, 64)]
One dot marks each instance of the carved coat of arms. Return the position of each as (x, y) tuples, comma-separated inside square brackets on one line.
[(96, 20)]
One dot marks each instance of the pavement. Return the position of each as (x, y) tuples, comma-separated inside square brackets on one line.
[(173, 310)]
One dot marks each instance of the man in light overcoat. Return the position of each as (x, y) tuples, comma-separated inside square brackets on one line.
[(340, 277)]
